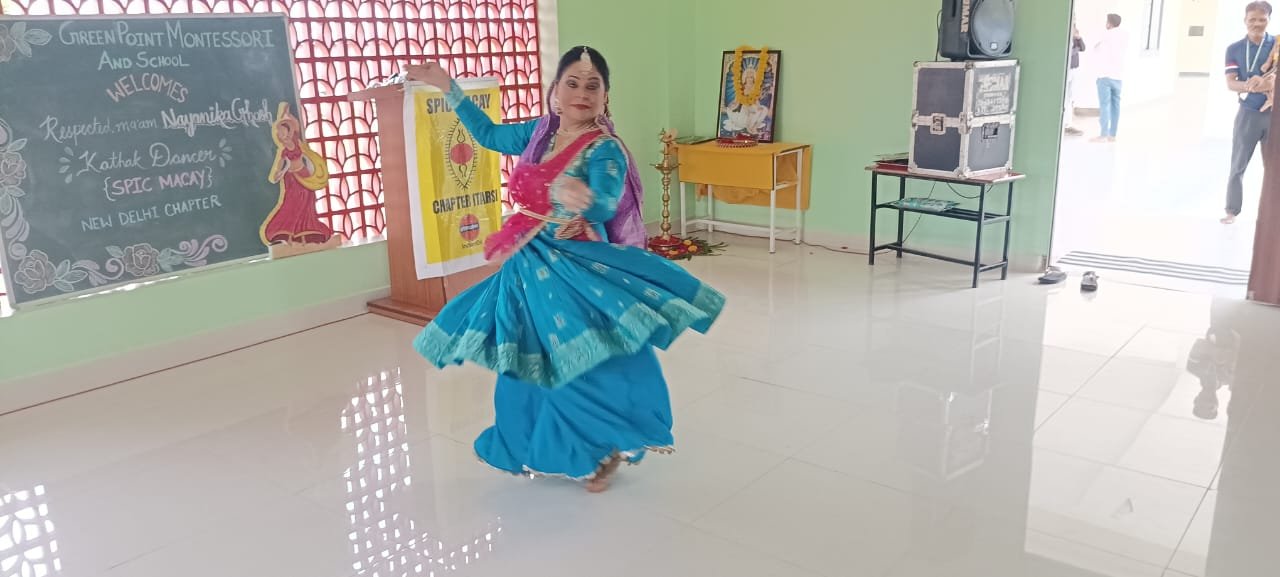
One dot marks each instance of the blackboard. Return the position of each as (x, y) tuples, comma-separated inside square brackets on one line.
[(136, 147)]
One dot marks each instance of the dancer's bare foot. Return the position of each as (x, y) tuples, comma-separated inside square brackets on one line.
[(1229, 219), (604, 475), (1099, 139)]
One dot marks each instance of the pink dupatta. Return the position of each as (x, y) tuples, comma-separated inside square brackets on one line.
[(530, 188)]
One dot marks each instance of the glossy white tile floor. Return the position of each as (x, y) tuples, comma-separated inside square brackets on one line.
[(840, 421)]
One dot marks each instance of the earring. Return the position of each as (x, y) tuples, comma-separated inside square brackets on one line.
[(555, 107)]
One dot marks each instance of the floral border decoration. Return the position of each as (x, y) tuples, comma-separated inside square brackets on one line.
[(19, 40), (36, 272)]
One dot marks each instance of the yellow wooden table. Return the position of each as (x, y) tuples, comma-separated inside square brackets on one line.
[(753, 176)]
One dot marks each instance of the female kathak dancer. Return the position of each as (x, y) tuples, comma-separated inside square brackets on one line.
[(571, 319)]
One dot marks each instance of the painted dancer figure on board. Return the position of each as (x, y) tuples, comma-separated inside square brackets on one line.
[(294, 227), (571, 319)]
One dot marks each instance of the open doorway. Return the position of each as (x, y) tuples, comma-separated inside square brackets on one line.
[(1146, 208)]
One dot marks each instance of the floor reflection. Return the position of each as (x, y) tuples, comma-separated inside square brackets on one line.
[(1244, 504), (841, 421), (28, 546), (1122, 502), (387, 538)]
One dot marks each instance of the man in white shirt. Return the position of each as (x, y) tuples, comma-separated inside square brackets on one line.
[(1110, 54)]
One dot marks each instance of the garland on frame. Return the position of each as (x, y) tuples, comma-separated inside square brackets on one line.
[(749, 94)]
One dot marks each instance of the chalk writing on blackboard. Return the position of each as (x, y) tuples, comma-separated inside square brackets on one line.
[(146, 154)]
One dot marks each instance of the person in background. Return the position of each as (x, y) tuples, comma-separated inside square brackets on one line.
[(1111, 51), (1247, 62), (1077, 46)]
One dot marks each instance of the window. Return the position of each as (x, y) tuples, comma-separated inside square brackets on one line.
[(342, 46)]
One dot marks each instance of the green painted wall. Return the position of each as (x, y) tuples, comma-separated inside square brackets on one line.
[(846, 89), (646, 58), (64, 334)]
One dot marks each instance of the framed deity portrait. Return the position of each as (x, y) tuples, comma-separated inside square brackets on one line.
[(748, 94)]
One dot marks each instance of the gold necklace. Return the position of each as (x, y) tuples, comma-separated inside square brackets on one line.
[(749, 94), (566, 132)]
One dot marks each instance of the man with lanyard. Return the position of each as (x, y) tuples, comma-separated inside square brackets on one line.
[(1245, 77)]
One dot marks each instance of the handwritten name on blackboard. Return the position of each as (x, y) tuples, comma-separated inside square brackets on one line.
[(239, 113)]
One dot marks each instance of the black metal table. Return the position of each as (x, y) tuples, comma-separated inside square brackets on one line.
[(981, 217)]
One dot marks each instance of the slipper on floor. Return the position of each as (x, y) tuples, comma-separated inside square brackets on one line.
[(1090, 282), (1053, 276)]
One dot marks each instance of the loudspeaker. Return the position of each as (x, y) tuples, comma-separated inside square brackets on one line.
[(976, 29)]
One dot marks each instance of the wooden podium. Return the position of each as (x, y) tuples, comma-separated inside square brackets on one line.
[(412, 300)]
